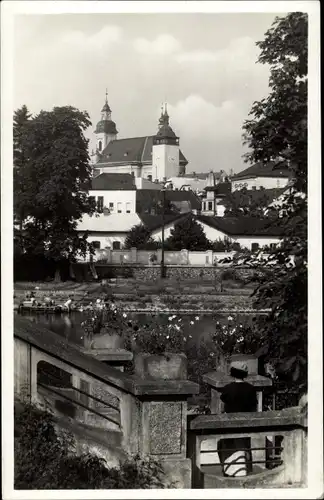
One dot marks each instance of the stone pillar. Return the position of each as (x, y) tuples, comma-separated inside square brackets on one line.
[(209, 257), (163, 433), (133, 256), (184, 257), (108, 254)]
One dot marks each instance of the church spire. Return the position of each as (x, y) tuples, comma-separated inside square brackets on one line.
[(106, 111)]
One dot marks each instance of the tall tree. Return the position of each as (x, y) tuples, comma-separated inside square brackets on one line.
[(51, 173), (187, 234), (21, 118), (278, 131), (140, 237)]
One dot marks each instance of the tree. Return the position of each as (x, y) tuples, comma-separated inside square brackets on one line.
[(21, 118), (140, 238), (51, 179), (278, 131), (187, 234), (242, 203)]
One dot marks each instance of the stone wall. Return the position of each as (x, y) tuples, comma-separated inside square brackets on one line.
[(153, 273)]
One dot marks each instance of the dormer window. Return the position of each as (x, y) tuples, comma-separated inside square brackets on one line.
[(126, 153)]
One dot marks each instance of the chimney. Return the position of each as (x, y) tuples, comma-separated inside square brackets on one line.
[(211, 179)]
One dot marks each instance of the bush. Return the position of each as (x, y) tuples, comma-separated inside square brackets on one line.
[(229, 274), (46, 459)]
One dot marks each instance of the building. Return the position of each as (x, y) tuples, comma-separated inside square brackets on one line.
[(121, 206), (196, 182), (249, 232), (212, 199), (259, 175), (154, 157)]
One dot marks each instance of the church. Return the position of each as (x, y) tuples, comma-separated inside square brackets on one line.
[(153, 157)]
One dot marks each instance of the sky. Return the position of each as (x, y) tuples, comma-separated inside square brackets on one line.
[(203, 65)]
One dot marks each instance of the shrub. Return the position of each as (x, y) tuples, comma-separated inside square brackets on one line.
[(229, 274), (46, 459)]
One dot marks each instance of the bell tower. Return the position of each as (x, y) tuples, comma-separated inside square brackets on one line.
[(165, 155), (106, 130)]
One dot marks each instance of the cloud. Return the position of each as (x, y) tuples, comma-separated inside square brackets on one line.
[(194, 116), (162, 45), (103, 39), (239, 51)]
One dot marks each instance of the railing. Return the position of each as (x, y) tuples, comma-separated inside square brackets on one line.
[(270, 446), (61, 393)]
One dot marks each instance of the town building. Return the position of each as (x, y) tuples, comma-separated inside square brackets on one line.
[(259, 175), (197, 182), (121, 204), (153, 157), (249, 232)]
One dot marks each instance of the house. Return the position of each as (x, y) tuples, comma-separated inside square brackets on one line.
[(212, 199), (267, 176), (196, 182), (249, 232), (152, 157), (122, 205), (151, 202)]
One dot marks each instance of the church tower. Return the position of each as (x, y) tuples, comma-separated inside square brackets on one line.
[(106, 129), (165, 155)]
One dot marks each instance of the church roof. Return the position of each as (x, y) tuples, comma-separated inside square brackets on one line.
[(271, 169), (132, 150), (113, 182)]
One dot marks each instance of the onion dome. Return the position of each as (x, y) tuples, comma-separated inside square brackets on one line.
[(106, 125)]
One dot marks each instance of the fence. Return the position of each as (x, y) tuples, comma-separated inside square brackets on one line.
[(140, 416), (144, 257), (277, 448)]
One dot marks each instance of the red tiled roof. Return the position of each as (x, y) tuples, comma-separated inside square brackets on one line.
[(132, 149), (271, 169), (113, 182)]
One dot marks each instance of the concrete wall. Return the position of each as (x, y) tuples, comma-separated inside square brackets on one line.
[(258, 182)]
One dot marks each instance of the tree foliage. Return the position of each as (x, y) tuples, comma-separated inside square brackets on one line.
[(140, 237), (242, 203), (278, 128), (51, 172), (187, 234), (278, 131)]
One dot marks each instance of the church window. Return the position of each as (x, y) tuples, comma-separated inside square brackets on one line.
[(149, 177), (210, 205), (100, 146), (96, 244), (254, 247), (100, 202), (119, 207), (116, 245), (111, 206), (128, 208)]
